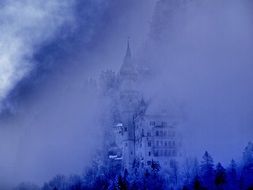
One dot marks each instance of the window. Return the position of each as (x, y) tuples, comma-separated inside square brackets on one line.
[(149, 143), (148, 134), (157, 143), (152, 123), (157, 133), (165, 143), (161, 133), (126, 144), (149, 162), (125, 128), (149, 153), (156, 153), (142, 132)]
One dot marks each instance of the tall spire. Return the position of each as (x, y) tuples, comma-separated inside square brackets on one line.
[(127, 67), (128, 52)]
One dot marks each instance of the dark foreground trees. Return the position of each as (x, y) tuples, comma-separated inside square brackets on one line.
[(206, 176)]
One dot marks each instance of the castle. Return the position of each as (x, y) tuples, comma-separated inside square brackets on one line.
[(141, 136)]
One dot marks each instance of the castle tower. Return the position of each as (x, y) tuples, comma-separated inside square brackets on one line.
[(129, 98), (128, 73)]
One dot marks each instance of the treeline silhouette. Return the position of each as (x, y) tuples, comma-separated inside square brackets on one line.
[(190, 176)]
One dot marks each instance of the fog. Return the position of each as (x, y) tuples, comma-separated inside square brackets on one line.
[(198, 54), (24, 27), (202, 52), (50, 112)]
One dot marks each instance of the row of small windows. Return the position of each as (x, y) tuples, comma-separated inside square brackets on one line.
[(152, 123), (166, 143), (165, 133), (162, 133), (160, 144), (165, 153), (163, 143)]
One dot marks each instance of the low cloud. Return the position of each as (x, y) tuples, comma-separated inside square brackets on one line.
[(25, 25)]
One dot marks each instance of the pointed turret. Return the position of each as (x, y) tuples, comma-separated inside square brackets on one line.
[(128, 51), (127, 68)]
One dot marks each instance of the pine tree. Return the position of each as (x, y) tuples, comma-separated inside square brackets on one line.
[(121, 183), (232, 175), (220, 177), (248, 155), (206, 170), (247, 171), (174, 172), (190, 169), (196, 184)]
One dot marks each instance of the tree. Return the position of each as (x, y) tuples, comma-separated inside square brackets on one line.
[(196, 184), (75, 182), (174, 172), (121, 183), (232, 176), (27, 186), (247, 170), (59, 182), (190, 169), (206, 170), (220, 177), (248, 155)]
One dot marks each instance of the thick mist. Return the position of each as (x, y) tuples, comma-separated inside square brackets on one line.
[(50, 122), (201, 54), (25, 26)]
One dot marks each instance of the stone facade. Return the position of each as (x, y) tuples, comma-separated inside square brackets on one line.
[(141, 137)]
